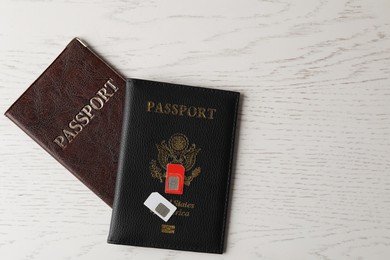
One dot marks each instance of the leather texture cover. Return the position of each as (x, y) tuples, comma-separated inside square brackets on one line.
[(167, 123), (74, 111)]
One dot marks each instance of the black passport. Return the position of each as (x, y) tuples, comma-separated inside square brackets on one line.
[(174, 124)]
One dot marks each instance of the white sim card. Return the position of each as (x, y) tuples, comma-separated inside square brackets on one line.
[(160, 206)]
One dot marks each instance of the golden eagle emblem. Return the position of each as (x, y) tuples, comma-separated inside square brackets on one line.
[(176, 151)]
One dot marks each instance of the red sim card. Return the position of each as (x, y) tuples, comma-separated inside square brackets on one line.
[(174, 181)]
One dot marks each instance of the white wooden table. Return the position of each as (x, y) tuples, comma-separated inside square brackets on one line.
[(312, 174)]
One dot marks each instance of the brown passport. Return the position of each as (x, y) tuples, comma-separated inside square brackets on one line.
[(74, 111)]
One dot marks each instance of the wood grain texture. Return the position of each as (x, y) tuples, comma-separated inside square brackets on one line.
[(312, 174)]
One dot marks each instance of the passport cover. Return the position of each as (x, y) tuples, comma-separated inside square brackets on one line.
[(74, 111), (167, 123)]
